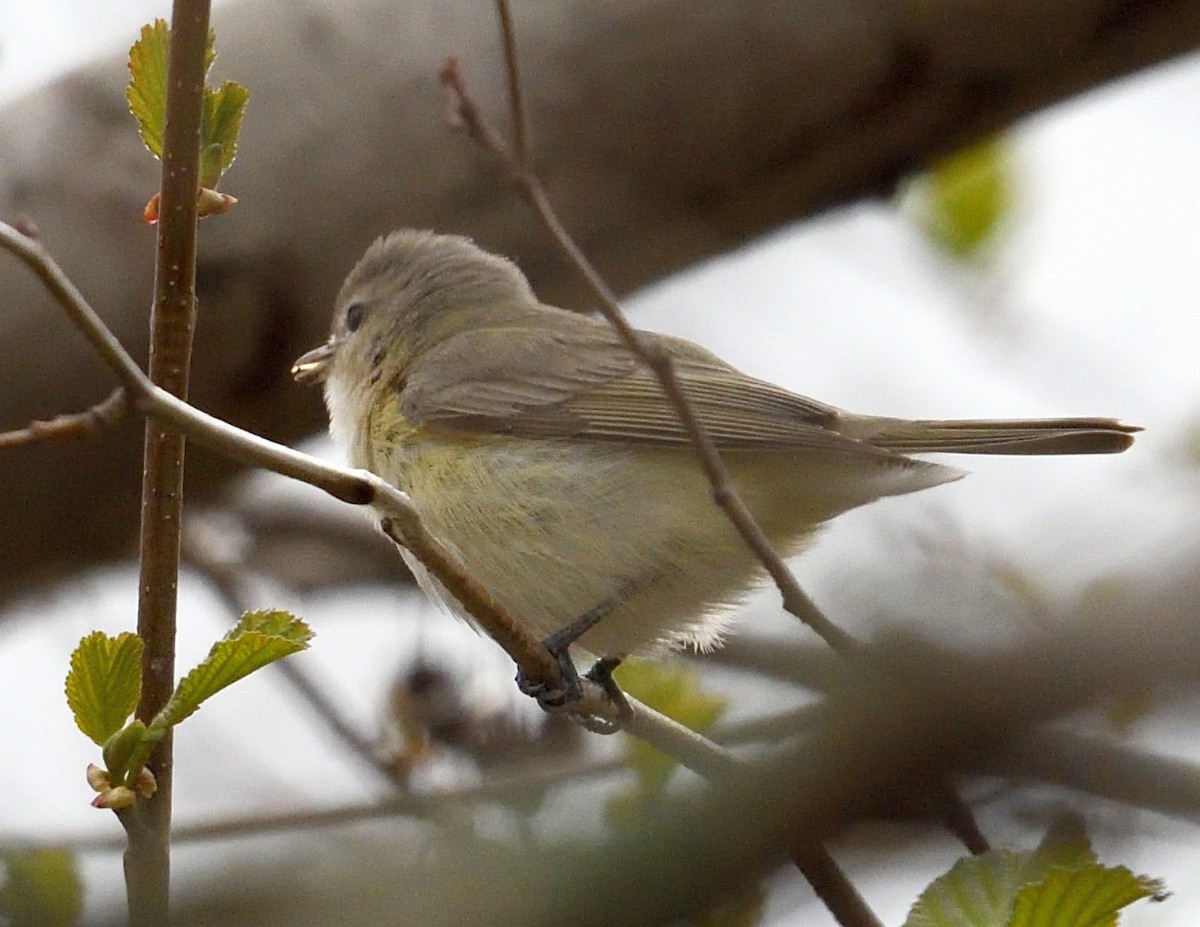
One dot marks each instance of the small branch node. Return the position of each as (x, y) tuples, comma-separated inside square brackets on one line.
[(71, 425)]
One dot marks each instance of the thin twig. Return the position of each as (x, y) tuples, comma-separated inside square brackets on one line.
[(836, 891), (519, 165), (516, 94), (83, 424), (795, 600), (954, 814), (506, 789), (33, 254), (357, 487), (693, 750), (406, 529)]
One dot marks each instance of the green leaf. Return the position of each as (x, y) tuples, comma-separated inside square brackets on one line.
[(41, 888), (221, 119), (1058, 885), (966, 196), (104, 683), (147, 90), (258, 639), (672, 690), (1089, 896), (219, 129), (977, 892)]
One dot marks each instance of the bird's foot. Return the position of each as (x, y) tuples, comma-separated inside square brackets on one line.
[(556, 698)]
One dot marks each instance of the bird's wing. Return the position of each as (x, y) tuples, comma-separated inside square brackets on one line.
[(583, 382)]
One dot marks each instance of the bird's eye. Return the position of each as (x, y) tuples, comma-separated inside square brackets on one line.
[(354, 316)]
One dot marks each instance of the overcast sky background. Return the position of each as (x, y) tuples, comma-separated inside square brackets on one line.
[(1089, 308)]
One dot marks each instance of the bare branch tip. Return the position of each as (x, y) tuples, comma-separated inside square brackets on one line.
[(448, 73), (83, 424), (459, 110)]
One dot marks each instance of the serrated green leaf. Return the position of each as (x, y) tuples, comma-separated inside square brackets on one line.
[(1059, 885), (147, 90), (258, 639), (104, 683), (673, 691), (219, 129), (967, 195), (978, 891), (1090, 896), (275, 623), (40, 888), (147, 93)]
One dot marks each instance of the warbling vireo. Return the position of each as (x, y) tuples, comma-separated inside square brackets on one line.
[(547, 456)]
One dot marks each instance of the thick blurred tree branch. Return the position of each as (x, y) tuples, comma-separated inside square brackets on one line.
[(666, 133)]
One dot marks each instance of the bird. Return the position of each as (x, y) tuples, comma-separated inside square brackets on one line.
[(547, 457)]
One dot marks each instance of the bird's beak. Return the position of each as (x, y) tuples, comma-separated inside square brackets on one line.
[(313, 367)]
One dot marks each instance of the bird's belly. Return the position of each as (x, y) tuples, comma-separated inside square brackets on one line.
[(555, 529)]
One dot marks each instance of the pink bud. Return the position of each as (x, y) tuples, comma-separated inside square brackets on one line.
[(98, 778), (120, 797), (146, 784), (213, 202)]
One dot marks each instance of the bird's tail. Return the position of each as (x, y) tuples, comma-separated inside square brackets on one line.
[(981, 436)]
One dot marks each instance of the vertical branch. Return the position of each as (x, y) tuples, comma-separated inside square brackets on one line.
[(172, 323)]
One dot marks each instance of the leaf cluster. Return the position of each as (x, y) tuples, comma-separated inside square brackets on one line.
[(221, 119), (105, 682), (1057, 885)]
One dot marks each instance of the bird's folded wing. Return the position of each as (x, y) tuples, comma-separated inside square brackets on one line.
[(585, 383)]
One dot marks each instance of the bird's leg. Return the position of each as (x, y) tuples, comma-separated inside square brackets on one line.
[(558, 645), (601, 673)]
